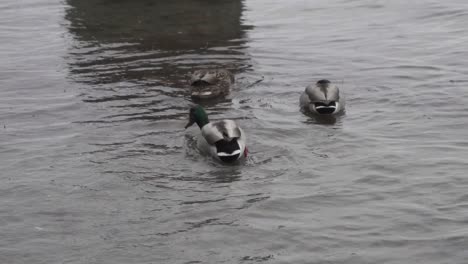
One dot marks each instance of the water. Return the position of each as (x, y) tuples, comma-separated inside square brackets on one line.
[(97, 168)]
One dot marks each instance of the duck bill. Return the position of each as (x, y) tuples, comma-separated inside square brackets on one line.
[(189, 124)]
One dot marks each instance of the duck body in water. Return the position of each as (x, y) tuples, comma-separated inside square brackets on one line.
[(210, 83), (322, 98), (224, 140)]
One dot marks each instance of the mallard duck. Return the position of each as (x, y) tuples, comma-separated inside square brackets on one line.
[(207, 84), (322, 98), (224, 140)]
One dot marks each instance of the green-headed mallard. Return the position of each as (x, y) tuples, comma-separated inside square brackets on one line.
[(207, 84), (322, 98), (223, 140)]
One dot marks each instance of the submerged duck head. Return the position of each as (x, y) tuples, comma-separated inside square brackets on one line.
[(324, 98)]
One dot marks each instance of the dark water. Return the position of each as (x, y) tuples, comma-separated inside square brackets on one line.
[(97, 168)]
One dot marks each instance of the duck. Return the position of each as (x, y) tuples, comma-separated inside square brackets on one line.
[(224, 140), (210, 83), (322, 98)]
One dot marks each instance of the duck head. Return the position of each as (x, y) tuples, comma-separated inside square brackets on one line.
[(324, 98), (197, 115)]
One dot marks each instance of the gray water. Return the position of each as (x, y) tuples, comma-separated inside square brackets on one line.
[(97, 168)]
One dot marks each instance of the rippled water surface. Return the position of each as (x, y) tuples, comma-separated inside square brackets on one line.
[(96, 166)]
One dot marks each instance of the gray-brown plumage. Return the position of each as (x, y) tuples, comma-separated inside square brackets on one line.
[(210, 83), (322, 98)]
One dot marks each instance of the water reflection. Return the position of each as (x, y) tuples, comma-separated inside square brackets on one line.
[(154, 42)]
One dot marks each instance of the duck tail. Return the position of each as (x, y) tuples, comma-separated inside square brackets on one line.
[(228, 150)]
